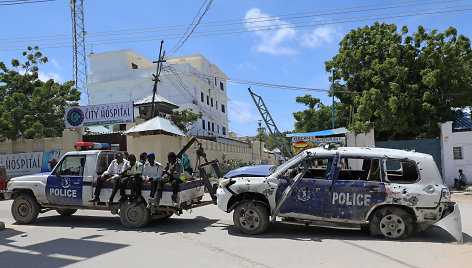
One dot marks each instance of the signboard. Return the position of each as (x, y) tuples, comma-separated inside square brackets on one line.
[(96, 115), (30, 163), (302, 143)]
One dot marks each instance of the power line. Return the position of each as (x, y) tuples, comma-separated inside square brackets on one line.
[(210, 24), (12, 3), (194, 27)]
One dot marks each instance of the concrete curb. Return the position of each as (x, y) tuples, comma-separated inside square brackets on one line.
[(2, 225)]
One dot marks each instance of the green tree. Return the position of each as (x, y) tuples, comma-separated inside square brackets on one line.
[(183, 119), (319, 116), (406, 84), (29, 107)]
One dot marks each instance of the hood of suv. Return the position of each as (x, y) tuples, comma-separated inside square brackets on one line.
[(252, 171)]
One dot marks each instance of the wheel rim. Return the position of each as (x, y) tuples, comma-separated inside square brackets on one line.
[(23, 209), (133, 214), (249, 219), (392, 226)]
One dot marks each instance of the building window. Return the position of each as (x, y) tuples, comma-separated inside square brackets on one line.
[(211, 102), (457, 152), (134, 66), (213, 127), (218, 129), (208, 100), (208, 125), (215, 81), (203, 124), (216, 105), (221, 86), (223, 108), (224, 131), (202, 97)]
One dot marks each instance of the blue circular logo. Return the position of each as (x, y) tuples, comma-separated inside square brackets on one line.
[(75, 117)]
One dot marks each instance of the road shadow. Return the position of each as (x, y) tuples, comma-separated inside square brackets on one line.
[(103, 223), (280, 230), (51, 254)]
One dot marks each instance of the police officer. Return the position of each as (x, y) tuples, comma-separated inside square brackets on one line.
[(175, 171), (153, 173), (129, 172), (113, 171)]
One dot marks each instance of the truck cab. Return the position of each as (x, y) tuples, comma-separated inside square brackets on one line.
[(71, 183)]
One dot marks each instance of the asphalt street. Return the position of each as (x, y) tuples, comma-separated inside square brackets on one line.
[(206, 237)]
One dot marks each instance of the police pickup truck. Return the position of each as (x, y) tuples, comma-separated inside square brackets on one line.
[(390, 192), (71, 183)]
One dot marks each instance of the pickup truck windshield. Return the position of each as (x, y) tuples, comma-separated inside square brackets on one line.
[(291, 162)]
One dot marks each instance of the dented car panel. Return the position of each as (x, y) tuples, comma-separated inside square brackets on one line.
[(350, 185)]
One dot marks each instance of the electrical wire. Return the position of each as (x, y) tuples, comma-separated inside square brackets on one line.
[(12, 3), (250, 20), (235, 31)]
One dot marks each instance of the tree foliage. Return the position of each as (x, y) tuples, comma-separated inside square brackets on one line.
[(185, 118), (319, 116), (29, 107), (407, 83)]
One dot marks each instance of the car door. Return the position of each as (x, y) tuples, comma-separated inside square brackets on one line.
[(312, 195), (357, 187), (64, 184)]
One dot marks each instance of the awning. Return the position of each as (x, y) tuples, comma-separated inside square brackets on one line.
[(157, 123), (157, 99), (328, 132)]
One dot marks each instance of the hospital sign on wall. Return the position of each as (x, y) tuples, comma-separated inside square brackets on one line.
[(101, 114)]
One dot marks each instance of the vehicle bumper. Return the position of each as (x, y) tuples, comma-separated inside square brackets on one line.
[(223, 196), (452, 222), (7, 195)]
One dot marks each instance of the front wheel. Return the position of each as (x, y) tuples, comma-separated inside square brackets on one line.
[(66, 212), (25, 209), (391, 223), (134, 216), (251, 217)]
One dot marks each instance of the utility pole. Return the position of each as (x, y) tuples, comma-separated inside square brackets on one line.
[(79, 57), (156, 77), (332, 92), (260, 138)]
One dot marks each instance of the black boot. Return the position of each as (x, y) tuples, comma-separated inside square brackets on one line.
[(95, 199)]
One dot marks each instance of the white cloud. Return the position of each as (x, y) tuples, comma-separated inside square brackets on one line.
[(274, 41), (320, 36), (241, 112), (247, 66), (56, 64), (46, 76), (285, 40)]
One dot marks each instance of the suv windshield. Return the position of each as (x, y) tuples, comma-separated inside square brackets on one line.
[(291, 162)]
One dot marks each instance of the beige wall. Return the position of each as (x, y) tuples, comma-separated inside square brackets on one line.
[(31, 145), (161, 145)]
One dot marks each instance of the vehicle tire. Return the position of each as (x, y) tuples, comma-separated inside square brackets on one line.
[(66, 212), (25, 209), (251, 217), (134, 216), (391, 223)]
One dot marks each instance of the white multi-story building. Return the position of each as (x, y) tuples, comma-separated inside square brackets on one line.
[(187, 81)]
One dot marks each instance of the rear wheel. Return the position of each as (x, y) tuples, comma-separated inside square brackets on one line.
[(391, 223), (25, 209), (134, 216), (251, 217), (66, 212)]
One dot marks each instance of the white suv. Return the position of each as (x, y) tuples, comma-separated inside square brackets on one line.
[(392, 192)]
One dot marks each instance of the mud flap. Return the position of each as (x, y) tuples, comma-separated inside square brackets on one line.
[(452, 223)]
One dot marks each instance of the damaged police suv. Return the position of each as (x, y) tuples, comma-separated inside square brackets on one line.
[(391, 192)]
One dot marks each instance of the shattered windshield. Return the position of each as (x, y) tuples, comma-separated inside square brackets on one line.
[(290, 162)]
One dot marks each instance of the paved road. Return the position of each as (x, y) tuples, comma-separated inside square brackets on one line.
[(207, 238)]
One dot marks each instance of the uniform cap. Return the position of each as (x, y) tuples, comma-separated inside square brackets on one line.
[(149, 155)]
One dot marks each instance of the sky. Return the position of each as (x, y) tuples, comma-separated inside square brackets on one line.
[(288, 55)]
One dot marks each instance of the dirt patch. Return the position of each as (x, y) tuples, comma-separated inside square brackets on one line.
[(462, 197)]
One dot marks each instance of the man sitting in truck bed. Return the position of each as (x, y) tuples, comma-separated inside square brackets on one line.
[(113, 171)]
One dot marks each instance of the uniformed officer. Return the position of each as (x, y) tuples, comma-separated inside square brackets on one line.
[(113, 171), (129, 172), (176, 174), (153, 173)]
